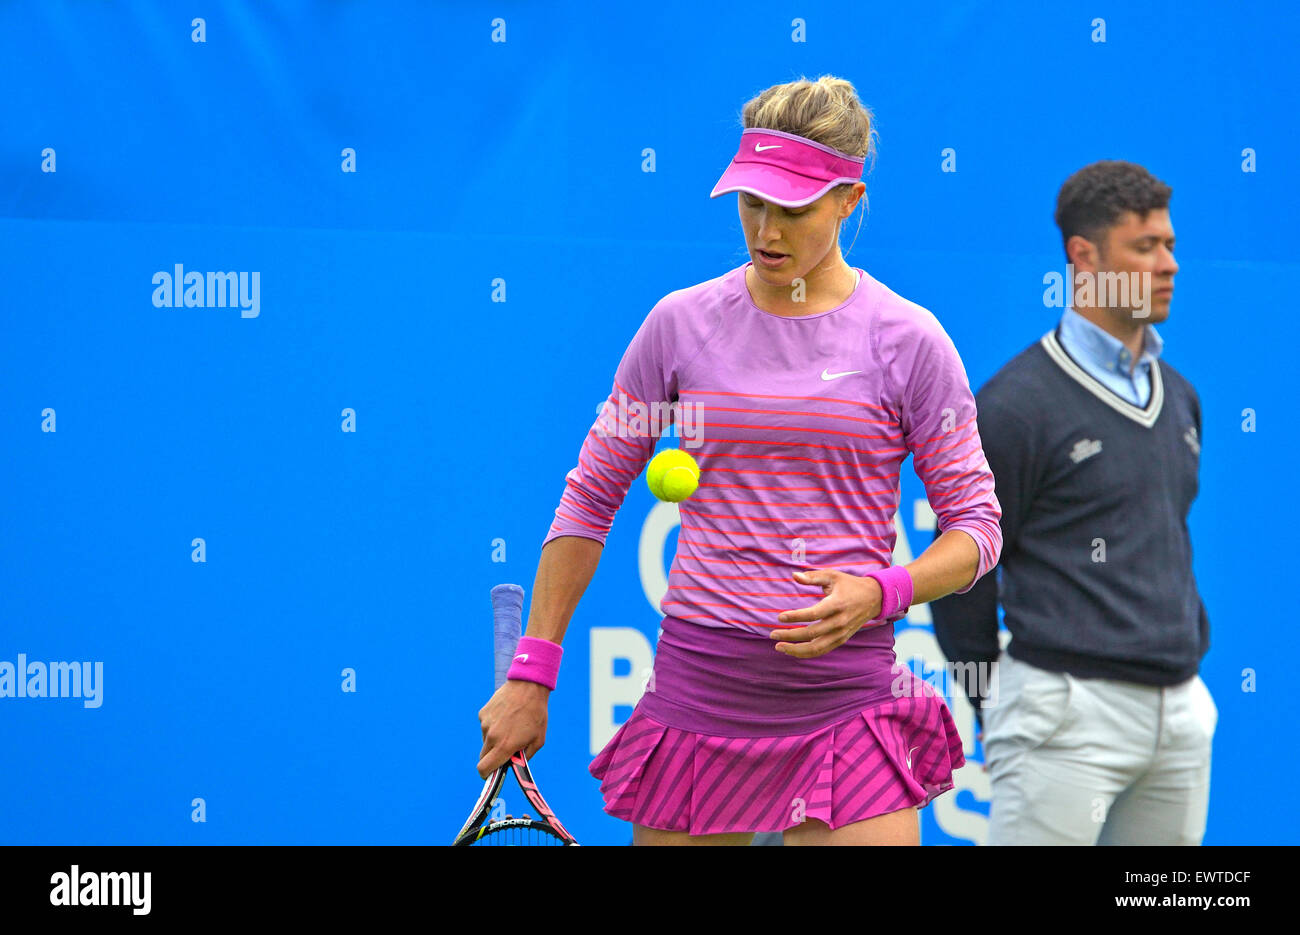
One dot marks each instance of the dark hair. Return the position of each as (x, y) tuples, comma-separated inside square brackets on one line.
[(1092, 200)]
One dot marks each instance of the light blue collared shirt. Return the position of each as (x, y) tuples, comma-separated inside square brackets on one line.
[(1105, 357)]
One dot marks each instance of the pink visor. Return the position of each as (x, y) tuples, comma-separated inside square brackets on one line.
[(789, 170)]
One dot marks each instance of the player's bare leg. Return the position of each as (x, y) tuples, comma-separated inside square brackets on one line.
[(902, 827), (643, 836)]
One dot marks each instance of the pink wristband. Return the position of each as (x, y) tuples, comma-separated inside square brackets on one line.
[(536, 660), (895, 592)]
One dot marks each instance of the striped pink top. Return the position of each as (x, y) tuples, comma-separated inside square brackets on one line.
[(800, 426)]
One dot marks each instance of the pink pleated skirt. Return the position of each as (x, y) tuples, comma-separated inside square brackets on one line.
[(710, 773)]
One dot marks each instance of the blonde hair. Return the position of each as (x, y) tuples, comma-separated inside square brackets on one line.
[(826, 111)]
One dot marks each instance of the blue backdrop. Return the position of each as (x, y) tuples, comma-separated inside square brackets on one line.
[(269, 527)]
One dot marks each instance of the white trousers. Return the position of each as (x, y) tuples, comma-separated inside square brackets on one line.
[(1096, 761)]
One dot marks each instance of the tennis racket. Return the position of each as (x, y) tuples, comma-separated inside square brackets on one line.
[(507, 624)]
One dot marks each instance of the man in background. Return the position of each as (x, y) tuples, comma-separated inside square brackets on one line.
[(1101, 730)]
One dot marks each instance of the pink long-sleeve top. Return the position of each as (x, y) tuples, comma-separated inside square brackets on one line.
[(800, 426)]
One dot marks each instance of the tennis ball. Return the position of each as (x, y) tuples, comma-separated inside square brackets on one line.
[(673, 475)]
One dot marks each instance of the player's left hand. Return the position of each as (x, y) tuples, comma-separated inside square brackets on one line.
[(849, 602)]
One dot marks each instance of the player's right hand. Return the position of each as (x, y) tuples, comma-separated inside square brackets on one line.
[(513, 719)]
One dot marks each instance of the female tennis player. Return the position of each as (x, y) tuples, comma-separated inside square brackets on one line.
[(776, 702)]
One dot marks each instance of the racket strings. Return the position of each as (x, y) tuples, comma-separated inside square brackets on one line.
[(519, 836)]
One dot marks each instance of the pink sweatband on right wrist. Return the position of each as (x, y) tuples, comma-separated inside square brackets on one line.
[(536, 660)]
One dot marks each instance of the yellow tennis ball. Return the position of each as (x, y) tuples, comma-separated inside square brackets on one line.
[(673, 475)]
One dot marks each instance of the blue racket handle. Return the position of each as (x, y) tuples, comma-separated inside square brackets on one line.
[(507, 624)]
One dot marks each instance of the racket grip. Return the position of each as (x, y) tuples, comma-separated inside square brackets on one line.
[(507, 625)]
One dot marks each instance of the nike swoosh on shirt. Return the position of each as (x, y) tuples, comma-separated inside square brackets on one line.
[(758, 147), (827, 375)]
